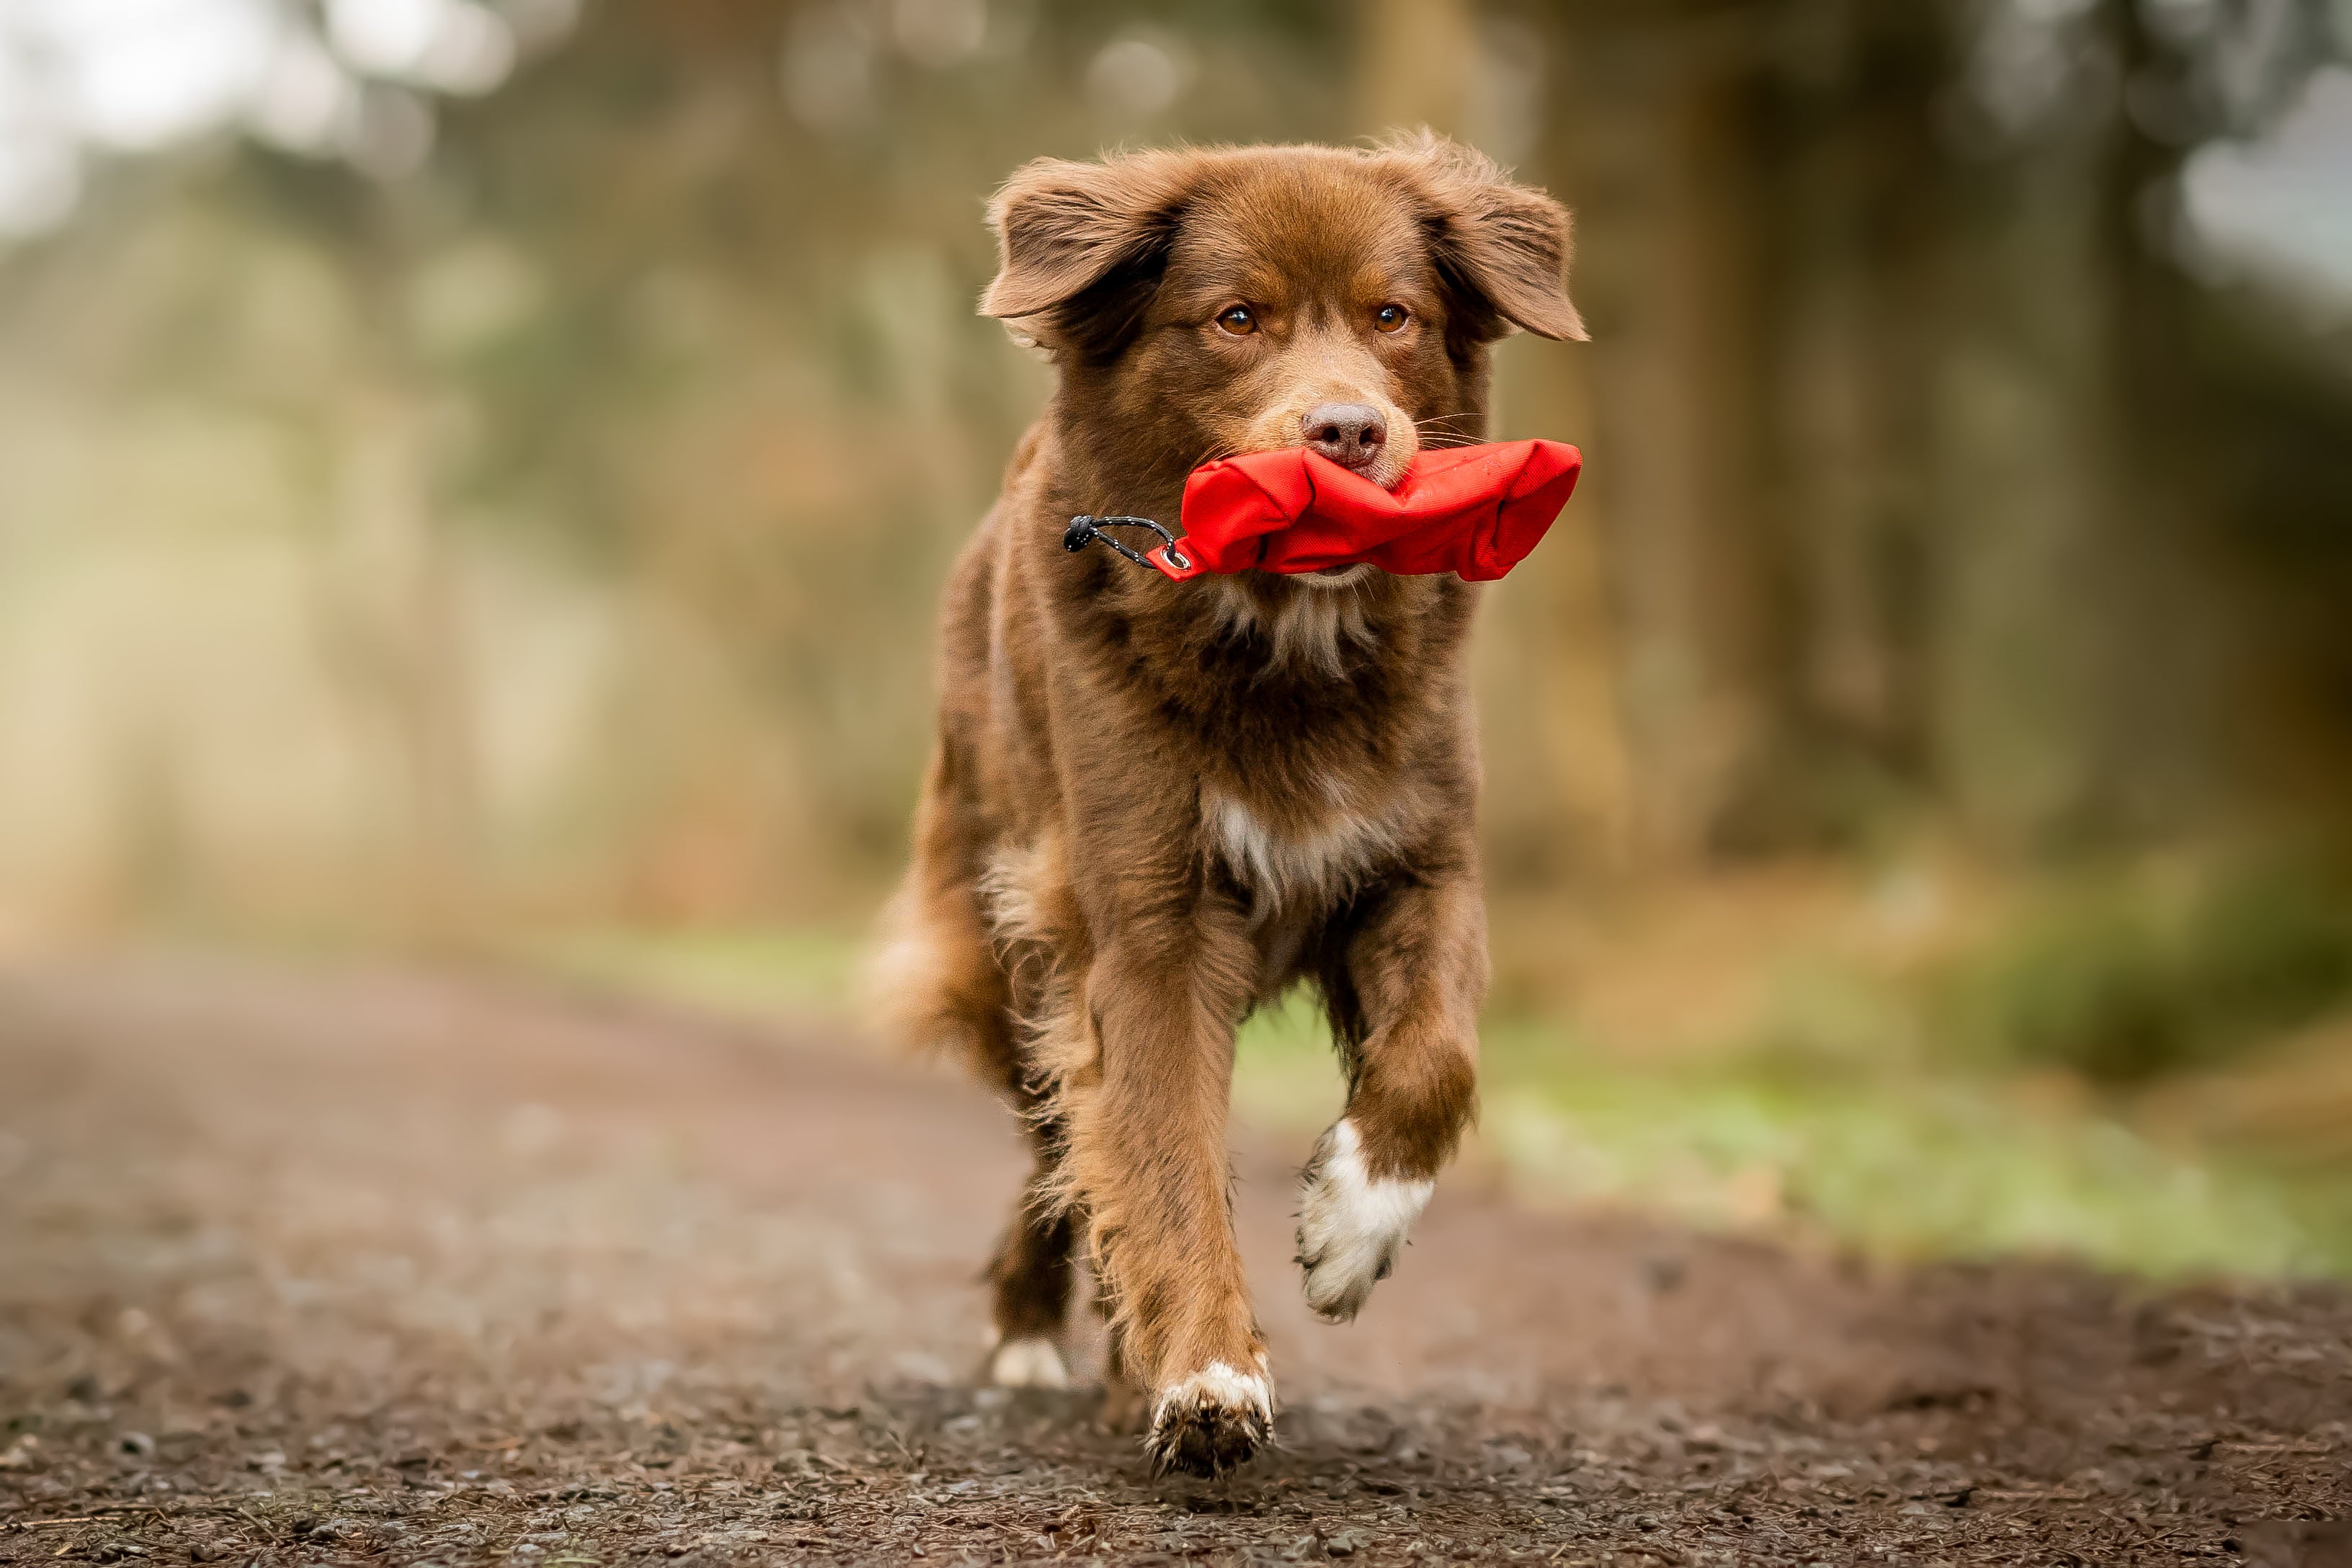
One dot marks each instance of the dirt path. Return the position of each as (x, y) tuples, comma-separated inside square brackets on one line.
[(387, 1268)]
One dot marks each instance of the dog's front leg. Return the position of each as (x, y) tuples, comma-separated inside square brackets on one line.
[(1405, 987), (1147, 1163)]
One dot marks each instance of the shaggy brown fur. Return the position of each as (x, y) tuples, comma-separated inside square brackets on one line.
[(1152, 806)]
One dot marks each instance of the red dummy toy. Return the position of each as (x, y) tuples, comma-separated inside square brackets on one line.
[(1477, 510)]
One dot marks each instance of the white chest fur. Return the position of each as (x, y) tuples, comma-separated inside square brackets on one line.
[(1296, 869), (1313, 627)]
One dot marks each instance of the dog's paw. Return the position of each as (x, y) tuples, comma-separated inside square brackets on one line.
[(1350, 1224), (1210, 1422), (1031, 1361)]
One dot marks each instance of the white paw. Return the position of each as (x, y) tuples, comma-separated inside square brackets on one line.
[(1218, 1386), (1350, 1227), (1029, 1363), (1210, 1422)]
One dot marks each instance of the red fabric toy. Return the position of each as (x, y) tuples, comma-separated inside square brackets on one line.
[(1477, 510)]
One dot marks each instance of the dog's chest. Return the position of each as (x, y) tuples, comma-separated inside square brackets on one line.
[(1292, 862)]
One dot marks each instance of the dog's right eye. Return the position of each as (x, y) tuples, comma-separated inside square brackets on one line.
[(1238, 319)]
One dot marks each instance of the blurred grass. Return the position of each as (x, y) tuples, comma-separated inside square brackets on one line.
[(1902, 1164), (746, 972), (1805, 1130)]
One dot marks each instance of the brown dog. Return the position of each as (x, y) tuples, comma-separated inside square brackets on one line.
[(1153, 806)]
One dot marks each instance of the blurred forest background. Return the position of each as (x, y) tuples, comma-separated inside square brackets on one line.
[(475, 475)]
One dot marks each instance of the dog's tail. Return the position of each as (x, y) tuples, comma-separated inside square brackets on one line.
[(936, 977)]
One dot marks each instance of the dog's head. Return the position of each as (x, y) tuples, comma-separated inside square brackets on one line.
[(1204, 303)]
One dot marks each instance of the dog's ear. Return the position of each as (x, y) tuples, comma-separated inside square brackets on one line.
[(1501, 248), (1081, 247)]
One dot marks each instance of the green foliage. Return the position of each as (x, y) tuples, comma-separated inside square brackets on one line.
[(2123, 983)]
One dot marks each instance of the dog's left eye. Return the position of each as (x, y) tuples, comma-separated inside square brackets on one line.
[(1389, 317)]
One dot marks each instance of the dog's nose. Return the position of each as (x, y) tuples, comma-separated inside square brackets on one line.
[(1349, 434)]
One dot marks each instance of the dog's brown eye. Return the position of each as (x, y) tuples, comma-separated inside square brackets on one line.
[(1389, 317), (1238, 321)]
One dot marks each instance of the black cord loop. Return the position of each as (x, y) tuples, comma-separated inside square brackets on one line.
[(1086, 529)]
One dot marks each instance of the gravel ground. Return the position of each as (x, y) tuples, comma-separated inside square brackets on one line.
[(403, 1268)]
